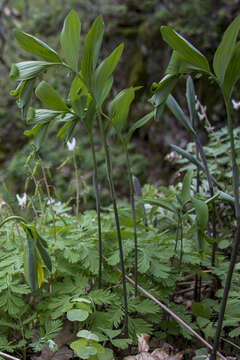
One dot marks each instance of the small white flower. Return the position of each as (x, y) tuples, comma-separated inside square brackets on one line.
[(50, 201), (236, 104), (22, 201), (201, 116), (71, 144), (2, 203)]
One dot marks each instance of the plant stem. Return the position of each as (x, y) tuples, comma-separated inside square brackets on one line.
[(237, 233), (130, 179), (98, 208), (77, 184), (50, 203), (112, 191)]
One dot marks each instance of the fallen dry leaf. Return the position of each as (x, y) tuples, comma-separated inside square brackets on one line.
[(160, 354), (143, 343), (144, 356)]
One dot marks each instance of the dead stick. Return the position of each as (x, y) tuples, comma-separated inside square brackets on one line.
[(8, 356), (177, 318)]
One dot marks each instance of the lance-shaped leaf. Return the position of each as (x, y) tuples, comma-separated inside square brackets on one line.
[(119, 108), (35, 46), (40, 273), (30, 263), (139, 124), (28, 69), (201, 212), (232, 73), (179, 114), (186, 50), (91, 115), (35, 116), (165, 204), (43, 254), (67, 130), (92, 47), (188, 156), (50, 97), (101, 78), (225, 50), (70, 40), (190, 95), (186, 187)]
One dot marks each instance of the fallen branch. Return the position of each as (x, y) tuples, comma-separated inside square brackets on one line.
[(8, 356), (173, 315)]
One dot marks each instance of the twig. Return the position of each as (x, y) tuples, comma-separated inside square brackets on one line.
[(173, 315), (8, 356)]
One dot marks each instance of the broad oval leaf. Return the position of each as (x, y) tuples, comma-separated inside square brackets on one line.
[(35, 46), (50, 97), (201, 212), (26, 70), (70, 40), (85, 334), (119, 108), (225, 50), (92, 47), (186, 50), (77, 315), (179, 114)]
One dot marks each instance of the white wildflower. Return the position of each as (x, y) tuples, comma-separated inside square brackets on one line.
[(22, 201), (2, 203), (236, 104), (201, 116), (71, 144), (50, 201)]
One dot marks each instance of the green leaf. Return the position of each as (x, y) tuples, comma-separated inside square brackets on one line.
[(24, 93), (30, 264), (139, 124), (111, 333), (35, 46), (177, 65), (85, 334), (186, 187), (92, 47), (201, 212), (187, 155), (186, 50), (91, 116), (78, 88), (121, 343), (70, 40), (44, 255), (201, 310), (41, 115), (225, 50), (28, 69), (77, 315), (119, 108), (163, 89), (179, 114), (103, 73), (190, 95), (50, 97), (165, 204), (232, 73), (106, 355), (38, 133)]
